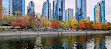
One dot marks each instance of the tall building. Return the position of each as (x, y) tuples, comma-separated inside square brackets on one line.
[(59, 9), (87, 18), (30, 9), (99, 12), (18, 5), (81, 9), (7, 4), (69, 14), (46, 10), (0, 2)]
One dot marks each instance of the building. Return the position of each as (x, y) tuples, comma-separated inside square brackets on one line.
[(0, 2), (87, 18), (7, 4), (105, 21), (59, 9), (30, 9), (99, 12), (69, 14), (81, 10), (18, 6), (46, 10)]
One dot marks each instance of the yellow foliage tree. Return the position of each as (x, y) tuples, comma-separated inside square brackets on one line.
[(43, 22), (26, 18), (82, 21), (63, 24), (48, 23), (69, 24), (74, 23)]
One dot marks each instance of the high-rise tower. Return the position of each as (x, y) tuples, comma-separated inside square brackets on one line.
[(46, 10), (99, 12), (59, 9), (81, 10)]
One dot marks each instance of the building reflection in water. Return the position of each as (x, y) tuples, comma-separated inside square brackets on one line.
[(108, 42), (59, 42), (38, 44), (99, 42)]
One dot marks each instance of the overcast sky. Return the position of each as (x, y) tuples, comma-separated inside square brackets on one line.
[(71, 4)]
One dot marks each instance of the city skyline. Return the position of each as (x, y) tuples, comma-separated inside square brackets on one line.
[(71, 4)]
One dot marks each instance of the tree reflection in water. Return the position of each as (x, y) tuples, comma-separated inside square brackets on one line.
[(57, 42)]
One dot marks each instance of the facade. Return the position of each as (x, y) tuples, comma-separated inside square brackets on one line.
[(30, 9), (59, 9), (46, 10), (99, 12), (69, 15), (81, 10), (87, 18), (7, 4), (18, 5)]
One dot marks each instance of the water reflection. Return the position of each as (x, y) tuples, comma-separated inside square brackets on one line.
[(59, 42)]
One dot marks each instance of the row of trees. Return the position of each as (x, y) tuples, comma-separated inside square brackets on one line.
[(42, 22)]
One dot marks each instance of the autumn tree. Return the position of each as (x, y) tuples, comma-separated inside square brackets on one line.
[(48, 23), (62, 24), (43, 22), (55, 24), (69, 24), (74, 23), (88, 24), (82, 24), (109, 26)]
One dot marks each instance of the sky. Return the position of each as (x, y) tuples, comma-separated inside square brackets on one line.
[(71, 4)]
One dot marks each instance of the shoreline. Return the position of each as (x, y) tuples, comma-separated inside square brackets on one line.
[(32, 33)]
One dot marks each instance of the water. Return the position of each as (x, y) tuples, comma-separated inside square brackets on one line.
[(98, 41)]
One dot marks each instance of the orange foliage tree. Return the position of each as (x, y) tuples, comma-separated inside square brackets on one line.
[(82, 26), (19, 22), (55, 24), (109, 26)]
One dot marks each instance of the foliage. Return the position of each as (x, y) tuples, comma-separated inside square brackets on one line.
[(43, 22), (20, 22), (62, 24), (48, 23), (82, 26), (55, 24), (69, 24), (109, 25), (74, 23)]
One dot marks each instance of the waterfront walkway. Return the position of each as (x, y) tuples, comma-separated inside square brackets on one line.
[(32, 33)]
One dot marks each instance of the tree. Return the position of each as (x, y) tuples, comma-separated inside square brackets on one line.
[(26, 18), (43, 22), (82, 26), (109, 26), (55, 24), (97, 25), (48, 23), (88, 24), (74, 23), (62, 24), (105, 26), (69, 24)]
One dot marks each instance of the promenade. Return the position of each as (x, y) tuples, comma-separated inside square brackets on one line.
[(32, 33)]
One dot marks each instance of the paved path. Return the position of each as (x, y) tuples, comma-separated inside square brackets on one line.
[(30, 33)]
